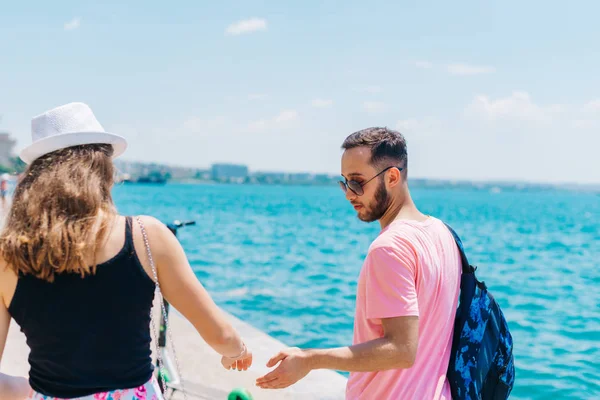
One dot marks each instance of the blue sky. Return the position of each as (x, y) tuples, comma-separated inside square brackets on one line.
[(502, 90)]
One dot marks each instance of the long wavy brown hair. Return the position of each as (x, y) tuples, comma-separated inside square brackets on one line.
[(60, 214)]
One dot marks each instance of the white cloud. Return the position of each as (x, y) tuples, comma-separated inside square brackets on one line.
[(466, 69), (284, 118), (373, 107), (592, 106), (257, 96), (518, 106), (258, 125), (584, 124), (246, 26), (73, 24), (423, 64), (287, 115), (322, 103), (589, 116)]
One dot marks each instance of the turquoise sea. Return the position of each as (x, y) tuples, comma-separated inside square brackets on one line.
[(286, 260)]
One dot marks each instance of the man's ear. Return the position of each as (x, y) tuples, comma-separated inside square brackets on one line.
[(394, 177)]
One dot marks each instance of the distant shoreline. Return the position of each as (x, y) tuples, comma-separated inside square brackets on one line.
[(219, 173), (415, 183)]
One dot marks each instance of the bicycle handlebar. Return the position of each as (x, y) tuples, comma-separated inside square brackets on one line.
[(173, 226), (179, 223)]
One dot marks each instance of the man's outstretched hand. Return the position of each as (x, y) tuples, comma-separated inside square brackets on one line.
[(294, 364)]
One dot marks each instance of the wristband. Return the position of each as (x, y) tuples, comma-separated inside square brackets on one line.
[(241, 355)]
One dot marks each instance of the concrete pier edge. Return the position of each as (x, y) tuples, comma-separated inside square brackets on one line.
[(203, 375)]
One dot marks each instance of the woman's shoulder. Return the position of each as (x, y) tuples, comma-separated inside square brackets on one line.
[(8, 282), (5, 271), (151, 224), (158, 234), (148, 220)]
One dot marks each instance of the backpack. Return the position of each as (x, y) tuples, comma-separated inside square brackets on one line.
[(481, 362)]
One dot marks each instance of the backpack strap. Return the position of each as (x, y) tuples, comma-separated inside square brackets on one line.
[(467, 268), (468, 289)]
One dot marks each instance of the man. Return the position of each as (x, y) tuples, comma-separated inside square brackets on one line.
[(407, 291)]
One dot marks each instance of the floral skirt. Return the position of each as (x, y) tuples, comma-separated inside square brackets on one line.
[(148, 391)]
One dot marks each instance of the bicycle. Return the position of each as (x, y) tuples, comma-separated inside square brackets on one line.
[(168, 379), (172, 380)]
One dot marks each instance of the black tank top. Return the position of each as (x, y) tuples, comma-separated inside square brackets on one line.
[(92, 334)]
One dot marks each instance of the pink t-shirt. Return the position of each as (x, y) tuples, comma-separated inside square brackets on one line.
[(412, 269)]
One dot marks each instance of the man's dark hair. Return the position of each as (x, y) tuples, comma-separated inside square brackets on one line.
[(387, 146)]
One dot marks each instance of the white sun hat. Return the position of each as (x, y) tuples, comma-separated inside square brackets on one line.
[(69, 125)]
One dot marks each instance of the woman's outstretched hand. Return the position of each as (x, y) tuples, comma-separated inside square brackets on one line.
[(241, 363)]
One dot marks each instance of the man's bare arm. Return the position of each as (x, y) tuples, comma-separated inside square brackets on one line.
[(396, 349)]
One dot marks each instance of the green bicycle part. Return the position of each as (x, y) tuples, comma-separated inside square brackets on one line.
[(164, 374), (239, 394)]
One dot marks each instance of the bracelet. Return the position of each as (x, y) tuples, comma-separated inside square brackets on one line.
[(241, 355)]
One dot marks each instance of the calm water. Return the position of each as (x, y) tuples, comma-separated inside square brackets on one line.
[(286, 260)]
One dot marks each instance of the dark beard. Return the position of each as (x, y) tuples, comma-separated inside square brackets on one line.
[(380, 205)]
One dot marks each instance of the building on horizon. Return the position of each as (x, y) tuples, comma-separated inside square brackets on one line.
[(229, 172)]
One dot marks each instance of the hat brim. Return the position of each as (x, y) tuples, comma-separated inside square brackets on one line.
[(64, 140)]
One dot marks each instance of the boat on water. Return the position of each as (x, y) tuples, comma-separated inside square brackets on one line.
[(160, 180), (152, 178)]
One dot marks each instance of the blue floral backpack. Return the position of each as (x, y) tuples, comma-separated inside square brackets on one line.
[(481, 363)]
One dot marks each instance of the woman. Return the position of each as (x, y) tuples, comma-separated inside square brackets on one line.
[(76, 277)]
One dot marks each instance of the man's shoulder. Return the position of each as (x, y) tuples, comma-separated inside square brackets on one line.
[(403, 236), (399, 234), (391, 246)]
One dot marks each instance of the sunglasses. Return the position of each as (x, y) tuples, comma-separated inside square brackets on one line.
[(357, 187)]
